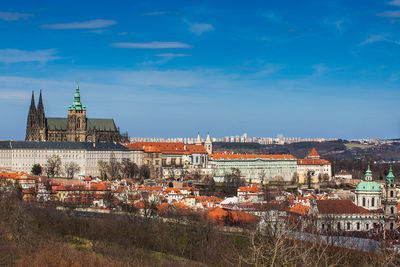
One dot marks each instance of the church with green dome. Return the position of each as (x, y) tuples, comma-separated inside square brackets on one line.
[(368, 193), (75, 128)]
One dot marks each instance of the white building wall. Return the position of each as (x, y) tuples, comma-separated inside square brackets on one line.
[(254, 169), (24, 159)]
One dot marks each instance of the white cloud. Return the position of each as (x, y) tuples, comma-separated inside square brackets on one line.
[(379, 38), (171, 55), (320, 69), (98, 31), (91, 24), (13, 95), (200, 28), (394, 3), (152, 45), (165, 57), (13, 16), (16, 56), (269, 69), (125, 33), (336, 24), (155, 13), (272, 17), (390, 14)]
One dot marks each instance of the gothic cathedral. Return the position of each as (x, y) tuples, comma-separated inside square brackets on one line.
[(76, 128)]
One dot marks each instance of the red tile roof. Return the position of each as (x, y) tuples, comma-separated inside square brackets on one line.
[(313, 153), (196, 149), (250, 156), (166, 147), (299, 209), (250, 189), (339, 206)]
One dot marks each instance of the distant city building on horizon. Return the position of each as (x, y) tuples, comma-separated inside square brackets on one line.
[(279, 140)]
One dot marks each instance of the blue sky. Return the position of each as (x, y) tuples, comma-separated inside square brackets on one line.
[(173, 68)]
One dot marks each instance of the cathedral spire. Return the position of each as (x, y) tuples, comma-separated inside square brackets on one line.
[(32, 108), (40, 104)]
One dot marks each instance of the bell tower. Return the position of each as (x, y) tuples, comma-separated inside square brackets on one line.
[(390, 202), (208, 144), (77, 120)]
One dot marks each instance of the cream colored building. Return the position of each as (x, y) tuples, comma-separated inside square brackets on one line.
[(319, 169), (255, 168), (22, 155)]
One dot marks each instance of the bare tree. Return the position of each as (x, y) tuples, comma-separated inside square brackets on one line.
[(103, 166), (182, 173), (262, 175), (71, 169), (196, 175), (129, 168), (114, 168), (53, 166), (232, 181), (325, 177), (144, 172), (309, 175), (295, 178)]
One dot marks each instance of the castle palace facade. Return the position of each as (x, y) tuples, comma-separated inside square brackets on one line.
[(76, 128)]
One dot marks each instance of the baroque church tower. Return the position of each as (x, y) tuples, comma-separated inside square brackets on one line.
[(390, 202)]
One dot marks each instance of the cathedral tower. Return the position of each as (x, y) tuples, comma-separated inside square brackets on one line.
[(77, 120), (41, 119), (31, 124), (390, 202)]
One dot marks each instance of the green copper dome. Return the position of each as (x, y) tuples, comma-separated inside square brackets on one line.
[(368, 186), (390, 177)]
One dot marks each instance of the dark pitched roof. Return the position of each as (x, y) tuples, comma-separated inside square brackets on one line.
[(98, 124), (339, 206), (57, 123), (101, 124), (61, 145)]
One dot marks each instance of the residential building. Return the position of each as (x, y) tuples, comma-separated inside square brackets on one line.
[(314, 167), (343, 175), (173, 159), (251, 193)]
